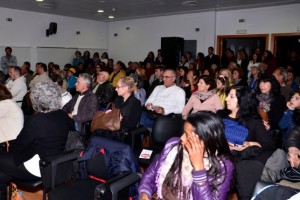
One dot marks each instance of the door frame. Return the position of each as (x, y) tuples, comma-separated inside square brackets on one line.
[(274, 37), (220, 39)]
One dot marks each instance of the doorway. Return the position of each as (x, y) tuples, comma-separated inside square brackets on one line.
[(236, 42), (285, 46)]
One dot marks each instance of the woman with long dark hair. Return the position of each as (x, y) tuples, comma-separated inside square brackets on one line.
[(197, 165), (247, 138)]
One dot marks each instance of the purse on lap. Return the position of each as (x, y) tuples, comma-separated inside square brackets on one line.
[(107, 121)]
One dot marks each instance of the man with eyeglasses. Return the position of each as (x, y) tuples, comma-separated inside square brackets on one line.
[(165, 99)]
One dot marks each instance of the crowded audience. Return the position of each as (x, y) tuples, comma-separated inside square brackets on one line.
[(236, 107)]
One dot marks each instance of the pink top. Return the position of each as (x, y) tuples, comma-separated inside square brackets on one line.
[(212, 104)]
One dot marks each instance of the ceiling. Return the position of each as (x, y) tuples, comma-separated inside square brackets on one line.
[(132, 9)]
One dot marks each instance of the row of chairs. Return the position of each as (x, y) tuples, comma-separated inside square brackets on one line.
[(58, 170)]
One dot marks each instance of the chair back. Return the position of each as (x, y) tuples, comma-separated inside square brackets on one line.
[(164, 128)]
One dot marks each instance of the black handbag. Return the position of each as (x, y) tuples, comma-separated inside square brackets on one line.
[(74, 142)]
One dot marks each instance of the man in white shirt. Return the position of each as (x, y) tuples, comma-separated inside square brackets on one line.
[(41, 74), (18, 88), (165, 99)]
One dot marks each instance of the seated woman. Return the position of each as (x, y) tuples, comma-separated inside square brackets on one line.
[(196, 166), (44, 135), (247, 138), (204, 99), (222, 87), (271, 103), (130, 110), (291, 116), (11, 117)]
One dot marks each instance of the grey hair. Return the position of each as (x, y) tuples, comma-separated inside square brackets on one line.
[(283, 73), (45, 97), (87, 79)]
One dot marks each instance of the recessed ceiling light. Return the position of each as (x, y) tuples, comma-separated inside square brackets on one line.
[(113, 9), (100, 11), (39, 0), (111, 17)]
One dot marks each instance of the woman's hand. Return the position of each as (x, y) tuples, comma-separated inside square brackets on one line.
[(143, 196), (108, 111), (244, 146), (195, 148), (293, 157), (159, 110), (267, 125)]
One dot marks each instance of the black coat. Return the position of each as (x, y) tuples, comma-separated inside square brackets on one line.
[(131, 111), (44, 134)]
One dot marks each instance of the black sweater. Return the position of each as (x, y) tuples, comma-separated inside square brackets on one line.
[(44, 134)]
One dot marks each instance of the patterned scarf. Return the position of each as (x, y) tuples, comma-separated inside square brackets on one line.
[(186, 172), (265, 101), (203, 96)]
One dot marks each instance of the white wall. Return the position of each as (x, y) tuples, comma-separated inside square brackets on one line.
[(145, 34), (268, 20), (28, 29)]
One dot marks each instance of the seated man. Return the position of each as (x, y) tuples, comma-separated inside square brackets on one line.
[(41, 74), (82, 107), (159, 71), (103, 89), (18, 88), (165, 99), (25, 70)]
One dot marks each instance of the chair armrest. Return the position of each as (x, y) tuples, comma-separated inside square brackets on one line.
[(115, 185), (48, 167)]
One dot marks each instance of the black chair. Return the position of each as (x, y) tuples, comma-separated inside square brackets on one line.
[(48, 168), (164, 128), (96, 186)]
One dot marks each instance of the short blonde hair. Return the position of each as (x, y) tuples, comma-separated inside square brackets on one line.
[(128, 81)]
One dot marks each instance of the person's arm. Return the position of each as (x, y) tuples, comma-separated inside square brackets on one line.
[(153, 95), (188, 107), (201, 190), (178, 97), (86, 109), (287, 119)]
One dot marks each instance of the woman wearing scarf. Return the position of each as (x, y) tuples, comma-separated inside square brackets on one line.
[(203, 99), (247, 138), (271, 103), (197, 165)]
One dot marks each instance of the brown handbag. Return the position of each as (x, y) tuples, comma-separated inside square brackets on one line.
[(109, 121)]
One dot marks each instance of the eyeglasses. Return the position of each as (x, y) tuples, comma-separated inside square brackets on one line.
[(118, 87), (167, 77)]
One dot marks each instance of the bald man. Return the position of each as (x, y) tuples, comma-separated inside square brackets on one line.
[(103, 89)]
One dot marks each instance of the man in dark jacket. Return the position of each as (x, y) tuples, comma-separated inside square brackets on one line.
[(103, 89), (82, 107), (211, 58)]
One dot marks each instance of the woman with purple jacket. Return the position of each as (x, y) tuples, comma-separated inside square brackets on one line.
[(198, 165)]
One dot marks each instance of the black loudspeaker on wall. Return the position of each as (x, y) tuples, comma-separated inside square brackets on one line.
[(52, 29), (172, 49)]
